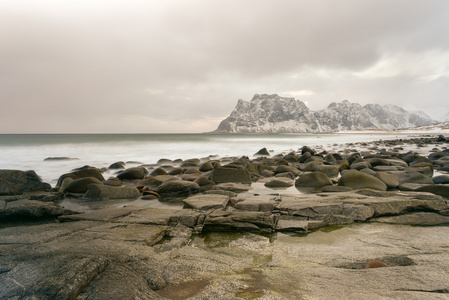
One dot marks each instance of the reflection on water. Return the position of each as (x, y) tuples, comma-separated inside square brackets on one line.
[(81, 204)]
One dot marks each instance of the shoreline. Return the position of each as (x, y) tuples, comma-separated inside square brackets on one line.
[(278, 226)]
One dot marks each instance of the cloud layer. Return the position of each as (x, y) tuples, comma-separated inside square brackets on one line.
[(180, 66)]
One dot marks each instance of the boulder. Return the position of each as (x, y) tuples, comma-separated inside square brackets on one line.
[(101, 191), (283, 169), (442, 179), (83, 172), (203, 181), (437, 189), (207, 166), (330, 171), (178, 188), (155, 181), (222, 175), (192, 162), (390, 179), (15, 182), (279, 182), (411, 176), (176, 171), (156, 172), (117, 165), (206, 202), (313, 179), (26, 209), (132, 173), (263, 151), (81, 185), (358, 180)]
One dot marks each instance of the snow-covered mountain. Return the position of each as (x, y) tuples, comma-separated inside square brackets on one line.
[(275, 114)]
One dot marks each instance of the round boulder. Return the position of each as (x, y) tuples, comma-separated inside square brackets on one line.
[(80, 185), (280, 182), (359, 180), (178, 188), (313, 179), (132, 173)]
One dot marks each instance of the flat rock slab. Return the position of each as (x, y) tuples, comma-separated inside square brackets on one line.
[(206, 202), (105, 214), (418, 218), (23, 208), (165, 217), (256, 205)]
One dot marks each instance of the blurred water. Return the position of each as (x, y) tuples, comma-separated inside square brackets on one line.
[(28, 151)]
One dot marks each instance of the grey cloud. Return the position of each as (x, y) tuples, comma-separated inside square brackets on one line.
[(171, 63)]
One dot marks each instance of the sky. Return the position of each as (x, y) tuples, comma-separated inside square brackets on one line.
[(113, 66)]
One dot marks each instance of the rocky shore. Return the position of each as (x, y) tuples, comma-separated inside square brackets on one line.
[(316, 223)]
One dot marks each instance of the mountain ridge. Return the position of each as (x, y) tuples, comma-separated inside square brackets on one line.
[(275, 114)]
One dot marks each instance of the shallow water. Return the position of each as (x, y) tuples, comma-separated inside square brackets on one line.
[(28, 151)]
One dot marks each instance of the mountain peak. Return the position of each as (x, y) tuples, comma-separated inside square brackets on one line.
[(271, 113)]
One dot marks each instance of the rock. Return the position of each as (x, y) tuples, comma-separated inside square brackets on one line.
[(59, 158), (15, 182), (267, 173), (101, 191), (192, 162), (368, 171), (425, 170), (222, 175), (114, 181), (64, 184), (239, 221), (313, 179), (263, 151), (176, 171), (206, 202), (156, 181), (410, 186), (80, 185), (305, 149), (390, 179), (132, 173), (375, 264), (280, 182), (376, 161), (360, 165), (437, 189), (26, 209), (157, 172), (411, 176), (387, 168), (117, 165), (191, 177), (178, 188), (221, 192), (335, 189), (83, 172), (330, 171), (233, 187), (206, 166), (286, 175), (203, 181), (442, 179), (283, 169), (358, 180), (415, 218)]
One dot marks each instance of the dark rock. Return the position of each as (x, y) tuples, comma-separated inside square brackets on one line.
[(192, 162), (59, 158), (330, 171), (26, 209), (442, 179), (263, 151), (267, 173), (117, 165), (156, 172), (437, 189), (178, 188), (411, 176), (358, 180), (203, 181), (80, 185), (101, 191), (83, 172), (305, 149), (305, 156), (206, 166), (156, 181), (390, 179), (132, 173), (375, 161), (313, 179), (335, 189), (283, 169), (176, 171), (15, 182), (223, 174)]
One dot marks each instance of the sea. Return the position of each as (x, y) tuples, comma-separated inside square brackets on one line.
[(29, 151)]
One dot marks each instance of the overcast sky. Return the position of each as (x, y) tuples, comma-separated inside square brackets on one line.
[(97, 66)]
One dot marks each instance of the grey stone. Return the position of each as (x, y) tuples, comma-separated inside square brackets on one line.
[(222, 175), (358, 180), (417, 218), (206, 202), (15, 182), (83, 172), (101, 191), (330, 171), (313, 179), (390, 179), (280, 182), (178, 188), (80, 185), (133, 173)]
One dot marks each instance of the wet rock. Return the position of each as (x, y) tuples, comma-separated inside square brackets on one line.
[(290, 169), (83, 172), (358, 180), (239, 221), (176, 171), (313, 179), (335, 189), (101, 191), (157, 172), (437, 189), (222, 175), (442, 179), (15, 182), (25, 209), (117, 165), (132, 173), (233, 187), (192, 162), (206, 166), (178, 188), (411, 176), (330, 171), (81, 185)]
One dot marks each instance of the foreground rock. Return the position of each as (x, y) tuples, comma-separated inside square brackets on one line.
[(15, 182), (101, 191)]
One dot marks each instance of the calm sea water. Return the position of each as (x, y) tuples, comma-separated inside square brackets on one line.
[(28, 151)]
